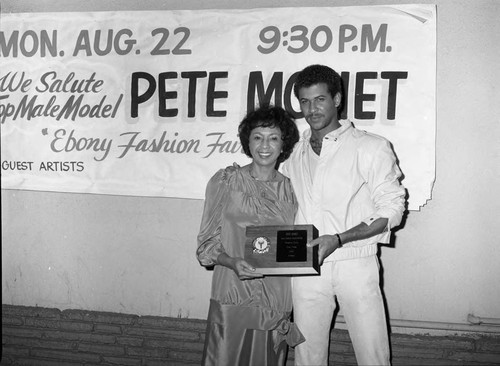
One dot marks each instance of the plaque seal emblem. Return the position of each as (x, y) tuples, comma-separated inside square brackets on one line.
[(261, 245)]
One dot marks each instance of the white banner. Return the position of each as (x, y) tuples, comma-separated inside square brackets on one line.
[(148, 103)]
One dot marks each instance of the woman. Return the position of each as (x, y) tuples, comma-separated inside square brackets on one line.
[(248, 320)]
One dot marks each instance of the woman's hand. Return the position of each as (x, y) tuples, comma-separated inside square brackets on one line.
[(242, 268)]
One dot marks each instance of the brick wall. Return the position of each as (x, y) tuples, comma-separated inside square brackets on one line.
[(42, 337)]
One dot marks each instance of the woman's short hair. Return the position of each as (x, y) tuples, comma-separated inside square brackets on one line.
[(270, 116)]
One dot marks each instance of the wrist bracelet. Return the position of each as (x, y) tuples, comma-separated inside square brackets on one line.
[(340, 241)]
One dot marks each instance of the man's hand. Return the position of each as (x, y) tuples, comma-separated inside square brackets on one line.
[(329, 243), (326, 246), (231, 168)]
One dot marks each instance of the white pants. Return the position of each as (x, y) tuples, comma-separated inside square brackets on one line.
[(355, 283)]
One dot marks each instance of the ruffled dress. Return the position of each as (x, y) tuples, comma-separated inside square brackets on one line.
[(248, 321)]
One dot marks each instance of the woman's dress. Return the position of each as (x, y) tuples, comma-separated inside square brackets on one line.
[(248, 321)]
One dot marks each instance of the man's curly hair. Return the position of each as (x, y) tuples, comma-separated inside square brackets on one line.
[(270, 116), (315, 74)]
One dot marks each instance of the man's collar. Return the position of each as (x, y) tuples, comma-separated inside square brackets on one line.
[(345, 124)]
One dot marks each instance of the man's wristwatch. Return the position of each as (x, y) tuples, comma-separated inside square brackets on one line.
[(340, 241)]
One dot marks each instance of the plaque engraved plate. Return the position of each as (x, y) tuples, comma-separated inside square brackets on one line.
[(282, 250), (291, 246)]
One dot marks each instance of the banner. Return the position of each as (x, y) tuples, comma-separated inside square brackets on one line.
[(147, 103)]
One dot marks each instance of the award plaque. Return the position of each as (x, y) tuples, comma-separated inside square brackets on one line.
[(282, 250)]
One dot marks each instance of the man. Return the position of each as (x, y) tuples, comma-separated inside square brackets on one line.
[(347, 185)]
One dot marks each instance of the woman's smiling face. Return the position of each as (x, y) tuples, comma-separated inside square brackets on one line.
[(265, 145)]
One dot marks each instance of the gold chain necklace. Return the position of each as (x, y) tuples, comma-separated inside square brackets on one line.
[(273, 176)]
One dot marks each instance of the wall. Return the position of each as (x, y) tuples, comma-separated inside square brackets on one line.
[(50, 337), (136, 255)]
